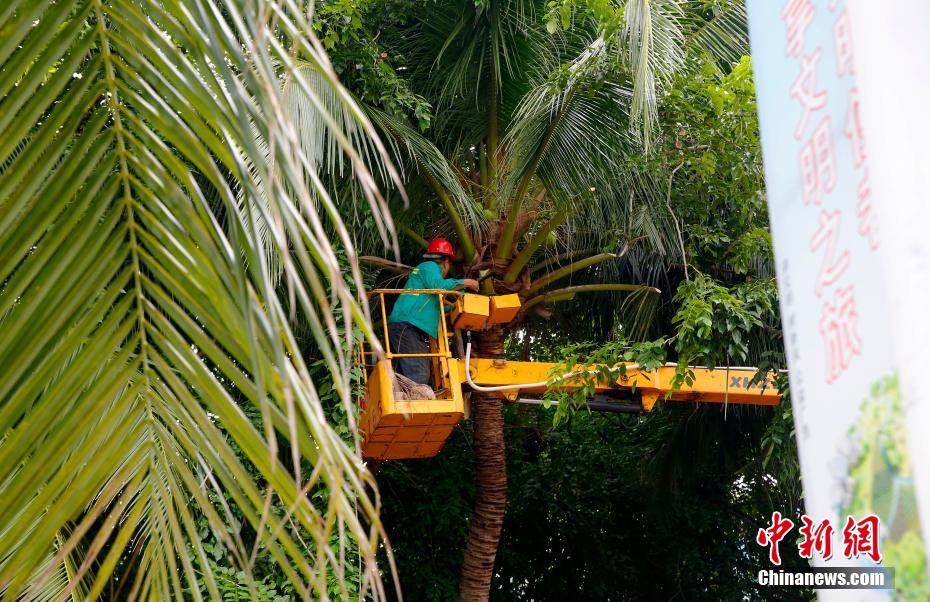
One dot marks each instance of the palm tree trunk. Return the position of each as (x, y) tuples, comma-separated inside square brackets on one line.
[(491, 479)]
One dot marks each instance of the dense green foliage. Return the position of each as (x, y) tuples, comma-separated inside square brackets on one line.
[(608, 508)]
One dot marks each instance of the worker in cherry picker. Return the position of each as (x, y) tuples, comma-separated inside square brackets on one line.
[(415, 318)]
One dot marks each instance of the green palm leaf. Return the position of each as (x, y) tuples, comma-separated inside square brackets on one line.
[(336, 140), (423, 156), (722, 31), (574, 138), (139, 316), (654, 43)]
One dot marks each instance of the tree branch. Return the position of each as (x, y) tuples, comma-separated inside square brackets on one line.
[(558, 258), (413, 235), (567, 293), (387, 264), (570, 269), (668, 203), (526, 253), (468, 246)]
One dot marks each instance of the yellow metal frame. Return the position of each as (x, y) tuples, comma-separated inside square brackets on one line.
[(395, 429)]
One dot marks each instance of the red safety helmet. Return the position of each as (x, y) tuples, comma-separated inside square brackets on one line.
[(440, 246)]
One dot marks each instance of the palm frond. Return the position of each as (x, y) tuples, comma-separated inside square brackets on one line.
[(722, 31), (328, 119), (420, 154), (583, 137), (140, 318), (653, 42), (456, 52), (312, 108)]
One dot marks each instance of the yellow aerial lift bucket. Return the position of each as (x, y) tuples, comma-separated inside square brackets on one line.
[(410, 428)]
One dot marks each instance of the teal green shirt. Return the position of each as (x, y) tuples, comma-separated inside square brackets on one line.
[(423, 310)]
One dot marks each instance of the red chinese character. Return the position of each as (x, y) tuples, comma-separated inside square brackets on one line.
[(797, 15), (854, 128), (818, 164), (774, 534), (862, 538), (819, 538), (843, 44), (868, 219), (810, 187), (828, 233), (804, 89), (838, 328)]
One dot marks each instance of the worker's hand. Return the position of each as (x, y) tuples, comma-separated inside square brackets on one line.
[(471, 284)]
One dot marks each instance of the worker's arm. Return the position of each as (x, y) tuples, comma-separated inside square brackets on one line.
[(432, 276)]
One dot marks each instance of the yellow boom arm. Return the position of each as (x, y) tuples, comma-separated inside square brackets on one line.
[(730, 385)]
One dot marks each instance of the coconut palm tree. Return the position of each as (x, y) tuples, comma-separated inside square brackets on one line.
[(541, 109), (156, 196)]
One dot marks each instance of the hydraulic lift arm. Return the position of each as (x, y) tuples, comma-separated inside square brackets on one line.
[(507, 379), (397, 427), (723, 385)]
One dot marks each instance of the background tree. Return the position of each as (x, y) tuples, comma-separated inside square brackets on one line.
[(179, 202), (665, 506), (539, 112)]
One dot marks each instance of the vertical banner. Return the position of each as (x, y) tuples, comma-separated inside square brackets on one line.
[(834, 148)]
